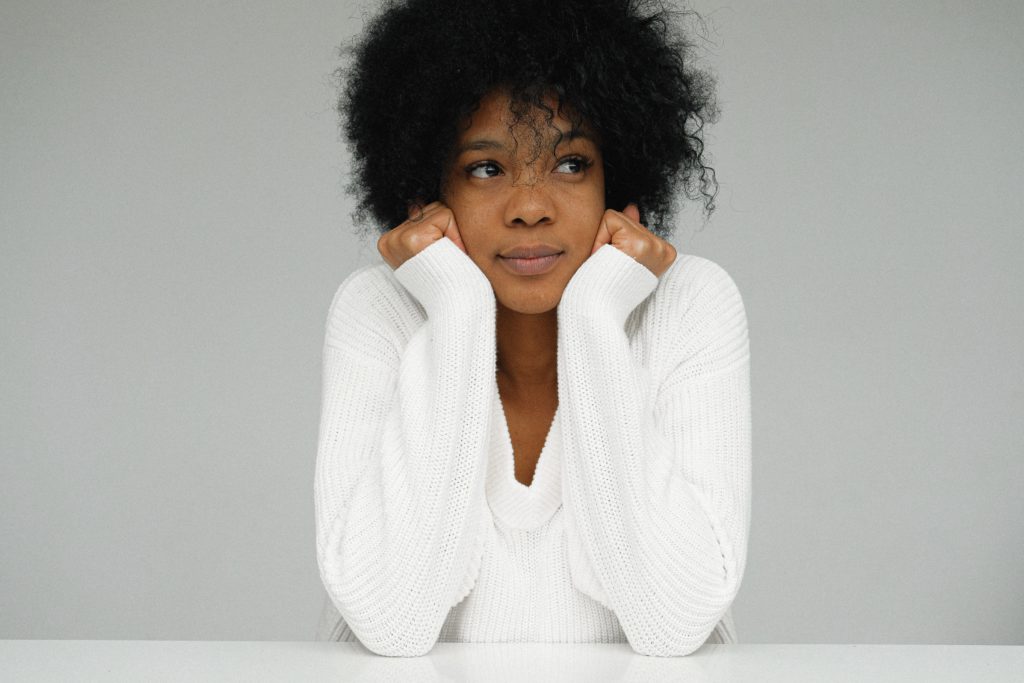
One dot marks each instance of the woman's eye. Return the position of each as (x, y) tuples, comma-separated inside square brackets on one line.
[(572, 165), (485, 169)]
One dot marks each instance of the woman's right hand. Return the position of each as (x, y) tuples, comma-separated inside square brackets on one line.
[(424, 226)]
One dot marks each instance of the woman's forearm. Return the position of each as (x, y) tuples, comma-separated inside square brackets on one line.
[(401, 460), (656, 483)]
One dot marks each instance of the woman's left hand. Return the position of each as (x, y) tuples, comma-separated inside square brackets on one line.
[(622, 229)]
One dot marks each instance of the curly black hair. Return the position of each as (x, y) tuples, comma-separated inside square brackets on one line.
[(622, 66)]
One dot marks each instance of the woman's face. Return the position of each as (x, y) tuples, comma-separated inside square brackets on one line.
[(514, 189)]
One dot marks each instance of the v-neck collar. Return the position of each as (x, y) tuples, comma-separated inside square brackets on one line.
[(517, 505)]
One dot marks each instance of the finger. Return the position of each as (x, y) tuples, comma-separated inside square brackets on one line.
[(452, 233), (603, 237)]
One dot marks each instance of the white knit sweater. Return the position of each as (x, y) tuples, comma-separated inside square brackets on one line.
[(635, 526)]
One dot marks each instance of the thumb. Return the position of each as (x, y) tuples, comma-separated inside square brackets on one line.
[(603, 237), (452, 233)]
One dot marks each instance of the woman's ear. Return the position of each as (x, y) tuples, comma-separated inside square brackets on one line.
[(415, 208), (632, 211)]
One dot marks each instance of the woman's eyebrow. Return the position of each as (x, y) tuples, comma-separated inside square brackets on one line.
[(488, 143), (576, 133), (481, 143)]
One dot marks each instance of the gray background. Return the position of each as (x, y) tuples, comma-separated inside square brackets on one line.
[(174, 226)]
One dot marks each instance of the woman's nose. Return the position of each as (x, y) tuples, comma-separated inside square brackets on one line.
[(529, 204)]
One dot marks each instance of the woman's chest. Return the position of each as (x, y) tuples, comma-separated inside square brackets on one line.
[(533, 455), (528, 429)]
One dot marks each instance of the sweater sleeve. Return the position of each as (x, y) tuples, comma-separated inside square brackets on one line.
[(399, 483), (656, 483)]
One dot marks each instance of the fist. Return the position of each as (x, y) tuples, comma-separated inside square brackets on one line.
[(624, 231), (425, 225)]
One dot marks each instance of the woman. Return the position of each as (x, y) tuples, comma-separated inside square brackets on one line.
[(535, 420)]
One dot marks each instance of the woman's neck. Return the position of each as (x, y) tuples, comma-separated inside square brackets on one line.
[(527, 347)]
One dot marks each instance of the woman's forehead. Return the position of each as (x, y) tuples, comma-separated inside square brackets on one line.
[(500, 120)]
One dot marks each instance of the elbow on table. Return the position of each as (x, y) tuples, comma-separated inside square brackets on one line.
[(667, 648), (407, 631), (683, 632), (666, 640), (401, 647), (392, 636)]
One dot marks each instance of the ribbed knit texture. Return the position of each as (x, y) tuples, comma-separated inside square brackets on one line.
[(634, 528)]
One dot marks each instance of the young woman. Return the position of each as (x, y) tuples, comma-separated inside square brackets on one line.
[(535, 420)]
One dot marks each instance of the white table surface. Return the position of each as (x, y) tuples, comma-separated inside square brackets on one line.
[(178, 660)]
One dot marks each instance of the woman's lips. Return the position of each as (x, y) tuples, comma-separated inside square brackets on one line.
[(531, 266)]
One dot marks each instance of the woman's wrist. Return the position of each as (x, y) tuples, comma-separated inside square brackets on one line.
[(444, 279), (610, 283)]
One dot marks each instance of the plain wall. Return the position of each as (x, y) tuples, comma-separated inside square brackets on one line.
[(174, 225)]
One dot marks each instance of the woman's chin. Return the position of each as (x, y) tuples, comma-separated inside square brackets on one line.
[(529, 303)]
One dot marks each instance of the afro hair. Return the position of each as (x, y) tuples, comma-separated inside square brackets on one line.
[(623, 66)]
